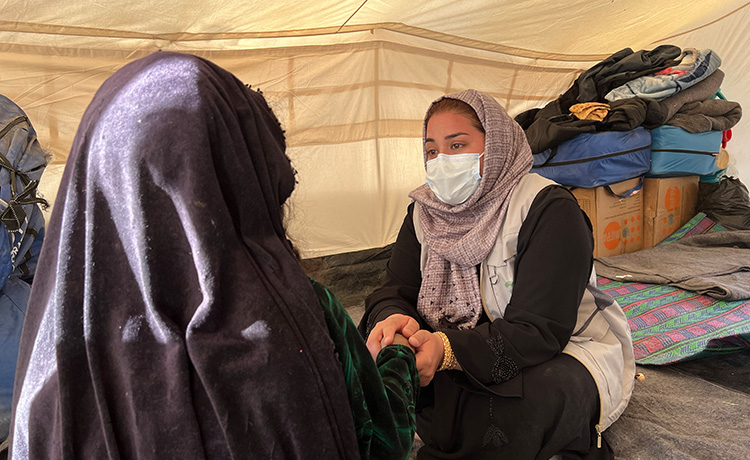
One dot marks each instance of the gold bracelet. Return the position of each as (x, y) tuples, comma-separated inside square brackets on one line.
[(449, 361)]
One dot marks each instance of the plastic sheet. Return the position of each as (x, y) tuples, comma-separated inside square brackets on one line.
[(726, 202)]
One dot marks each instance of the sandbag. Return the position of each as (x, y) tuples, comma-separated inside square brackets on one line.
[(594, 159)]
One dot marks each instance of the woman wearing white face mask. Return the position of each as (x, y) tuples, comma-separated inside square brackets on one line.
[(491, 279), (453, 172)]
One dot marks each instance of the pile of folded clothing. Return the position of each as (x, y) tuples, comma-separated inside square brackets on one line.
[(653, 113)]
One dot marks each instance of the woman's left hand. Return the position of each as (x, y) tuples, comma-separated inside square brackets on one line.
[(429, 348)]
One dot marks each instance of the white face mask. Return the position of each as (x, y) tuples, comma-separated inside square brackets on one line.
[(453, 178)]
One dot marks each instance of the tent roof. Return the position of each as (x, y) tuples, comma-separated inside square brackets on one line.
[(350, 80), (547, 29)]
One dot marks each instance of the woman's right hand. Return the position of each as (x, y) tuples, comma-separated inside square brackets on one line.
[(430, 351), (384, 331)]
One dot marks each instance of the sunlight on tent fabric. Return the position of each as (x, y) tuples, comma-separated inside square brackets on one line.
[(547, 26), (350, 80)]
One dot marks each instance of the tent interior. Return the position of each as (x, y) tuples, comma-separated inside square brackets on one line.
[(350, 81)]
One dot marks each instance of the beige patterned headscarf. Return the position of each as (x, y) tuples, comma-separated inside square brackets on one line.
[(460, 237)]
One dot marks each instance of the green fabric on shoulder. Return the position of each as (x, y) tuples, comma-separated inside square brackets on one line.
[(382, 394)]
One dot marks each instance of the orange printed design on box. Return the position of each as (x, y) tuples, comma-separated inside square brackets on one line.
[(612, 235), (672, 198), (615, 220)]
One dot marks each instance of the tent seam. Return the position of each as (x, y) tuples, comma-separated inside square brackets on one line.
[(702, 26)]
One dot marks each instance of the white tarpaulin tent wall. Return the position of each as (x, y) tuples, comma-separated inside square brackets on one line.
[(350, 80)]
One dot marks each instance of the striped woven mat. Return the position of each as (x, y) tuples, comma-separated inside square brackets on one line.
[(669, 324)]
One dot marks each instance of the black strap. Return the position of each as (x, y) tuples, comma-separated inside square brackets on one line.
[(14, 215), (629, 192), (10, 125)]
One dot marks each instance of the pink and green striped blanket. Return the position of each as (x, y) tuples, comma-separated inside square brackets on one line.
[(669, 324)]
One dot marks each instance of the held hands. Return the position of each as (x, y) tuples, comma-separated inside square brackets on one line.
[(405, 330), (385, 331)]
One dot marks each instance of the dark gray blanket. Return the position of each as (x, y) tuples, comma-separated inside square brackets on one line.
[(716, 264), (710, 115)]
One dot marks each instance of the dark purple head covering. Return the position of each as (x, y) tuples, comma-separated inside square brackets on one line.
[(169, 317)]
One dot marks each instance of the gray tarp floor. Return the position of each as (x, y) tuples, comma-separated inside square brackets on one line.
[(693, 410)]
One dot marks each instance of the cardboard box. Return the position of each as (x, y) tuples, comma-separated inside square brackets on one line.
[(668, 203), (617, 222)]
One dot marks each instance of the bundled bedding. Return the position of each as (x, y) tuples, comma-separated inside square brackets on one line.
[(671, 323)]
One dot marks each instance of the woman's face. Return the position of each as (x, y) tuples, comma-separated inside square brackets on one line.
[(451, 133)]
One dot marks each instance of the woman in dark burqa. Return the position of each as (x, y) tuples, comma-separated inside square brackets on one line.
[(169, 316)]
